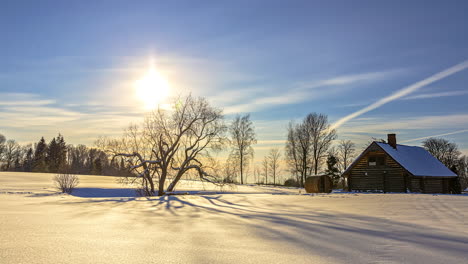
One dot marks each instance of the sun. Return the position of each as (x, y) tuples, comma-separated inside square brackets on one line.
[(151, 89)]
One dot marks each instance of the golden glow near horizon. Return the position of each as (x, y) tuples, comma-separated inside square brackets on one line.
[(152, 89)]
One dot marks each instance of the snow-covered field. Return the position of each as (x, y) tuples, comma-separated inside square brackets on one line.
[(104, 223)]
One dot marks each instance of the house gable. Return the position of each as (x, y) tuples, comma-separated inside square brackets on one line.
[(375, 170)]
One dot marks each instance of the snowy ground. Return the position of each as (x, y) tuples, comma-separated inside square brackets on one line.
[(104, 223)]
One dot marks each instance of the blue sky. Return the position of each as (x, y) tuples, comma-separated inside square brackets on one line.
[(69, 66)]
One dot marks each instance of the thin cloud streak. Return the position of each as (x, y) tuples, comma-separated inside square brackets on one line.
[(439, 135), (435, 95), (306, 91), (403, 92), (352, 78), (379, 126)]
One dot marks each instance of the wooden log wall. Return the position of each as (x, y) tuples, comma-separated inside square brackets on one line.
[(387, 178)]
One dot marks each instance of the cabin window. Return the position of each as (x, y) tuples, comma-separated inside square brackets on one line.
[(376, 160)]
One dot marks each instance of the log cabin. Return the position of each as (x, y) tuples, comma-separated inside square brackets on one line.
[(391, 167)]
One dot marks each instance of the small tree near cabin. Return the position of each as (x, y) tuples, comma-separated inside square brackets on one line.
[(332, 170)]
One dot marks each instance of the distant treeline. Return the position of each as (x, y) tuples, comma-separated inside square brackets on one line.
[(57, 156)]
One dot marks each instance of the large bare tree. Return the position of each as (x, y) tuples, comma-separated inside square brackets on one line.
[(171, 143), (242, 138), (307, 144), (274, 162)]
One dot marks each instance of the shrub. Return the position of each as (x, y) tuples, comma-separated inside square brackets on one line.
[(229, 179), (66, 182), (291, 183)]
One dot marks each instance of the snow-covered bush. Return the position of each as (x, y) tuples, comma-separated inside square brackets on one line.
[(66, 182)]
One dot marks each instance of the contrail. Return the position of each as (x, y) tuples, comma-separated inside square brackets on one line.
[(440, 135), (403, 92)]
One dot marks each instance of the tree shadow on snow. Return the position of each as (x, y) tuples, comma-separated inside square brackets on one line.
[(103, 192), (349, 237)]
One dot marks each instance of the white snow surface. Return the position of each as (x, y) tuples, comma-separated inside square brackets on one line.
[(103, 222), (417, 160)]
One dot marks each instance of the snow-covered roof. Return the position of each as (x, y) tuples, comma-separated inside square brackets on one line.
[(417, 160)]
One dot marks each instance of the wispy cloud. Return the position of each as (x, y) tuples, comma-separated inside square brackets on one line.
[(438, 135), (435, 95), (362, 130), (403, 92), (352, 78), (380, 126), (303, 91), (26, 117), (411, 97)]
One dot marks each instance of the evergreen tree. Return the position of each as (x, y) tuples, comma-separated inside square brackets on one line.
[(61, 158), (28, 161), (51, 157), (332, 170), (57, 154), (39, 160)]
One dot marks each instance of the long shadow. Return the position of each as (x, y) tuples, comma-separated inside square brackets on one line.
[(325, 232), (103, 193)]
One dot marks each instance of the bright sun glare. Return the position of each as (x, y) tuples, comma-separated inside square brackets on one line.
[(152, 89)]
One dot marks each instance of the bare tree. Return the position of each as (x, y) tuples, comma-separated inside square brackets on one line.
[(445, 151), (321, 135), (274, 162), (345, 152), (11, 152), (169, 144), (292, 153), (308, 143), (265, 169), (231, 170), (298, 149), (257, 173), (242, 138), (462, 170), (2, 145)]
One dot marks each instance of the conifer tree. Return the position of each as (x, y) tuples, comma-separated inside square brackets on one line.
[(39, 161), (28, 161), (61, 158), (51, 157), (332, 170)]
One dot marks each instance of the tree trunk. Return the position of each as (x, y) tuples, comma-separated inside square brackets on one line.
[(175, 181), (316, 166), (162, 180), (242, 167)]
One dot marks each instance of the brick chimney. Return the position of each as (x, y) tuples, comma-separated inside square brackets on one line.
[(391, 140)]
